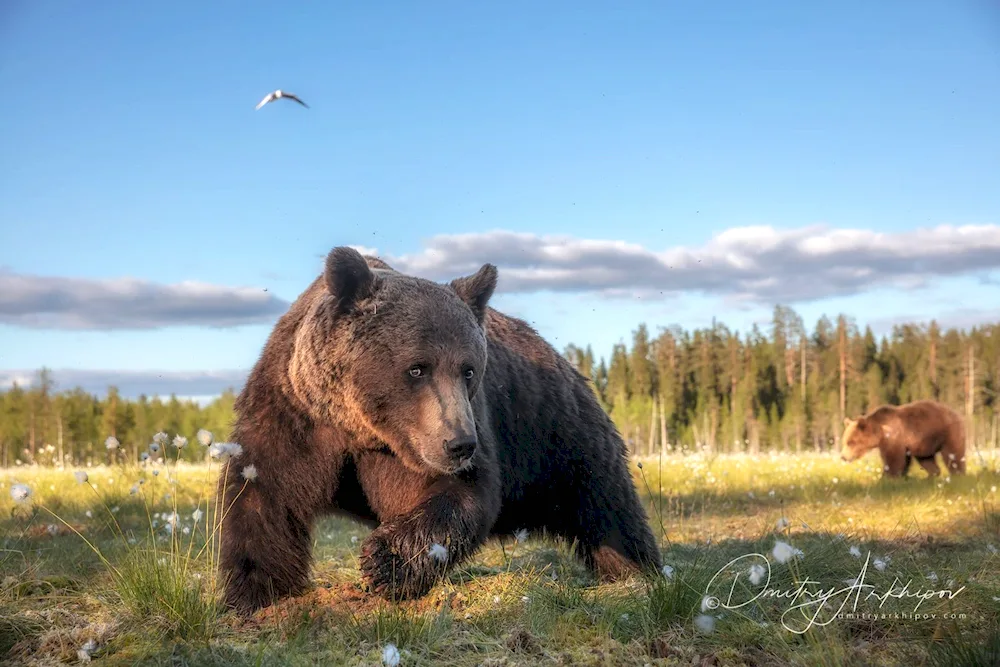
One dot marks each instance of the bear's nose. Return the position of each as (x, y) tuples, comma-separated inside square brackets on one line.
[(461, 448)]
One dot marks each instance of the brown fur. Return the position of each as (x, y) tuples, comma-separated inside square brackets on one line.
[(420, 411), (918, 430)]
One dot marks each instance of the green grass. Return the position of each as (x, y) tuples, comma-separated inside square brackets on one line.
[(93, 561)]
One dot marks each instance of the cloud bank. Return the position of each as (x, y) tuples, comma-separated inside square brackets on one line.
[(44, 302), (752, 265), (133, 383), (758, 264)]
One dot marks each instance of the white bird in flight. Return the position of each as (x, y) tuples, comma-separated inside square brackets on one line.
[(277, 95)]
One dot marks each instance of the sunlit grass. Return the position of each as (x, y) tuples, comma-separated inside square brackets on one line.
[(96, 561)]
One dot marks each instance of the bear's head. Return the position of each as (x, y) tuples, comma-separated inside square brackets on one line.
[(860, 436), (396, 360)]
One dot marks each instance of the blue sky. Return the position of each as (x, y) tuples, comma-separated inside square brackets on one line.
[(608, 157)]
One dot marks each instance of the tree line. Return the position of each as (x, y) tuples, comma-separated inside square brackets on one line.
[(787, 388), (40, 425), (784, 388)]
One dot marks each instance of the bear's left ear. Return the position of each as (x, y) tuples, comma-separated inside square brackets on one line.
[(476, 290), (348, 277)]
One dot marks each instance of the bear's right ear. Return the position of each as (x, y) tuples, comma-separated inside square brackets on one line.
[(348, 278)]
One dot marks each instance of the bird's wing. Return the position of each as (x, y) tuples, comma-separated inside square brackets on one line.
[(269, 98), (293, 97)]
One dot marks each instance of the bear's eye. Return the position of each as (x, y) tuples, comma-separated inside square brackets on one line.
[(416, 371), (469, 373)]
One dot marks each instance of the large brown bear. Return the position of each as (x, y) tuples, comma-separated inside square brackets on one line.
[(417, 409), (917, 430)]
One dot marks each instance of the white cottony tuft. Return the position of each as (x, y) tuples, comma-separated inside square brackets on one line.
[(932, 576), (196, 515), (782, 523), (438, 552), (521, 535), (154, 447), (704, 623), (160, 438), (204, 437), (180, 441), (880, 563), (111, 442), (81, 476), (390, 655), (784, 552), (144, 457), (20, 492), (856, 552), (83, 653), (757, 573), (667, 571), (249, 473), (225, 450)]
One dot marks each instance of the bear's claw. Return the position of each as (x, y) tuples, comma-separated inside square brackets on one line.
[(392, 571)]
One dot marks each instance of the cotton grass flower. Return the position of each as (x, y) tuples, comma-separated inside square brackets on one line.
[(196, 515), (204, 437), (704, 623), (784, 552), (782, 523), (84, 652), (438, 552), (111, 442), (668, 572), (160, 438), (20, 492), (390, 655), (81, 476), (154, 447), (223, 451), (249, 473), (756, 574), (520, 535), (180, 442), (854, 551)]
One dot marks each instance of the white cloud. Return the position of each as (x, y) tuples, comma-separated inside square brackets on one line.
[(759, 264), (198, 385), (47, 302)]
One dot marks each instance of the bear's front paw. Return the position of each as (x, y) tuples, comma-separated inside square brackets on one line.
[(393, 569)]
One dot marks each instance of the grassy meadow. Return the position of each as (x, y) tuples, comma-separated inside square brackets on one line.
[(763, 556)]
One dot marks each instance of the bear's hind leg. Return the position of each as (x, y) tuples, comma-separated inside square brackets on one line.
[(613, 535)]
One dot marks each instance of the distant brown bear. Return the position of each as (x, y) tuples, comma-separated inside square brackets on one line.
[(415, 408), (917, 430)]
